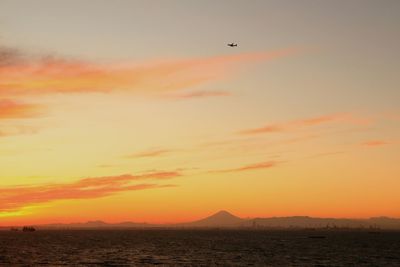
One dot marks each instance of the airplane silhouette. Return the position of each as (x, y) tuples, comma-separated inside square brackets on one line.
[(232, 45)]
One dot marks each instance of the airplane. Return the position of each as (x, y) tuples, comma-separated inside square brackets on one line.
[(232, 45)]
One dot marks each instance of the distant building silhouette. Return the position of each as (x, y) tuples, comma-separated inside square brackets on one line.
[(28, 229)]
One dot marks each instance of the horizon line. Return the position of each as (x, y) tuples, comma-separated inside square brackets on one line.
[(196, 220)]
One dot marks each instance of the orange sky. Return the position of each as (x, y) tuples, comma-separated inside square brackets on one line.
[(148, 126)]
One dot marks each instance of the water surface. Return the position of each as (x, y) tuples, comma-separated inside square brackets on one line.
[(199, 248)]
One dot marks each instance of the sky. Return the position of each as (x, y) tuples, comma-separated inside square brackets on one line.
[(139, 111)]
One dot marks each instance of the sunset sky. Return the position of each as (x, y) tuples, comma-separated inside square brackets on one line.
[(139, 111)]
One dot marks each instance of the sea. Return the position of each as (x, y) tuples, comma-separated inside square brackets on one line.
[(214, 247)]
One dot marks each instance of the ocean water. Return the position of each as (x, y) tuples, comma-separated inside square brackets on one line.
[(199, 248)]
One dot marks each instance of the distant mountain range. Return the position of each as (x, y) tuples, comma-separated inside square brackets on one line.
[(224, 219)]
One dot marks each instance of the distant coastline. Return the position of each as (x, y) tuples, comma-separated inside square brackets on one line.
[(226, 220)]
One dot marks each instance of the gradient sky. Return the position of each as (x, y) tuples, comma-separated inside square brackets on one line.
[(137, 110)]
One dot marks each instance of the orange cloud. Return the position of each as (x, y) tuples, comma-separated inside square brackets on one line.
[(13, 110), (304, 123), (256, 166), (374, 143), (14, 198), (150, 153), (199, 94), (23, 75), (50, 75)]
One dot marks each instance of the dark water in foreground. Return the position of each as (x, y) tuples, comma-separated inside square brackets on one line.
[(199, 248)]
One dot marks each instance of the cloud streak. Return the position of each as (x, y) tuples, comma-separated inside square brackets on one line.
[(251, 167), (304, 123), (17, 197), (23, 75), (52, 75), (10, 109), (150, 153), (375, 143), (198, 94)]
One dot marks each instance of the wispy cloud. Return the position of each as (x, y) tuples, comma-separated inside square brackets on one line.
[(23, 75), (150, 153), (198, 94), (374, 143), (251, 167), (17, 197), (10, 109), (304, 123), (53, 75)]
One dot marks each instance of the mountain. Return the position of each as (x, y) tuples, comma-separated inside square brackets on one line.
[(219, 219), (225, 219)]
